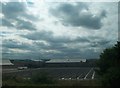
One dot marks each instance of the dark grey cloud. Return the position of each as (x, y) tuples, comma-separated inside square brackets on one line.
[(100, 43), (22, 24), (13, 12), (54, 44), (96, 41), (103, 13), (81, 51), (73, 15), (12, 44), (61, 44), (33, 50), (13, 9), (49, 36), (30, 55), (90, 53), (41, 35), (58, 43), (68, 53), (9, 44), (6, 22)]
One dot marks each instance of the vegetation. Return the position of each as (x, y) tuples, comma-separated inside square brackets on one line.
[(43, 80), (109, 66), (57, 84)]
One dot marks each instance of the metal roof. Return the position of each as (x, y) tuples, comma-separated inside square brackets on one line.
[(5, 62), (66, 60)]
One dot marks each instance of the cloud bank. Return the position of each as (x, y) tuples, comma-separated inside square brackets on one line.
[(57, 30)]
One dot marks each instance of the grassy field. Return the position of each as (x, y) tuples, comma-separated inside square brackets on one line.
[(60, 83), (45, 81), (40, 78)]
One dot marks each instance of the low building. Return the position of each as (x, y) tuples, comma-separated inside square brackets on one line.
[(5, 63), (27, 63), (65, 63), (65, 60)]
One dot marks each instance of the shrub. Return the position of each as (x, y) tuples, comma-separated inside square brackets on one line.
[(42, 78)]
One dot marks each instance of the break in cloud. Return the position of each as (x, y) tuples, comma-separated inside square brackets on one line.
[(57, 30)]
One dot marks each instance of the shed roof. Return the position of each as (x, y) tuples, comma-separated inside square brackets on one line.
[(65, 60), (5, 62)]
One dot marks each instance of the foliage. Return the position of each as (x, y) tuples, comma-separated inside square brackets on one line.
[(42, 78), (109, 66)]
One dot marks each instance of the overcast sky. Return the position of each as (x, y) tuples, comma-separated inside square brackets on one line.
[(32, 30)]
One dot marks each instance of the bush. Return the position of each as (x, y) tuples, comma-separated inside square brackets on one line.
[(42, 78)]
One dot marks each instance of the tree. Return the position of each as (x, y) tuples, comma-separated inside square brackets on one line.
[(109, 66)]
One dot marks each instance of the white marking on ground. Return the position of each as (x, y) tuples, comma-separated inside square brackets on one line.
[(88, 73), (79, 76), (93, 75)]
